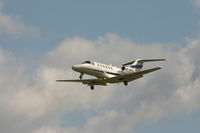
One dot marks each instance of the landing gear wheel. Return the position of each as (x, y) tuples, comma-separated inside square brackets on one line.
[(92, 87), (81, 76), (125, 83)]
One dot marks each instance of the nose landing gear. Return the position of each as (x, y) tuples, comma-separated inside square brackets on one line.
[(125, 83), (92, 87), (81, 76)]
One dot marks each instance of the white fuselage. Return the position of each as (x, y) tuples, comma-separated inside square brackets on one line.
[(100, 70)]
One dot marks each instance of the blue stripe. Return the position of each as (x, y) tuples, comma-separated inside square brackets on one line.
[(116, 74), (136, 66)]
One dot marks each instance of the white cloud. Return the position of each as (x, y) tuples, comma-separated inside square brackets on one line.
[(33, 102), (13, 25)]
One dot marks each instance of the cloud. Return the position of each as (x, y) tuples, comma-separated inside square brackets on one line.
[(196, 3), (32, 102), (11, 24), (1, 5)]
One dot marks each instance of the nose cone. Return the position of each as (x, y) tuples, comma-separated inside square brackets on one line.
[(78, 68), (75, 67)]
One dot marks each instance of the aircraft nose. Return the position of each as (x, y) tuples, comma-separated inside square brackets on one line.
[(78, 68), (75, 67)]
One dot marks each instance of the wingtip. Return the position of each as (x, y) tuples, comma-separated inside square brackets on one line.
[(59, 80)]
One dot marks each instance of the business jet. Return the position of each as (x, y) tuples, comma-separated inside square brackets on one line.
[(111, 74)]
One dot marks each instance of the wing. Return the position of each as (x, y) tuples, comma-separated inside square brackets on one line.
[(117, 79), (132, 76), (147, 71), (86, 81), (145, 60)]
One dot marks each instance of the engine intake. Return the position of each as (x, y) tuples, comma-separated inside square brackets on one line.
[(123, 68)]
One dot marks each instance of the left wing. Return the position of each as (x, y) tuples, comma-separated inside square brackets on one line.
[(86, 81)]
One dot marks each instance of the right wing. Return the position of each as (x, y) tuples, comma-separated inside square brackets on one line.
[(148, 71), (132, 76), (86, 81)]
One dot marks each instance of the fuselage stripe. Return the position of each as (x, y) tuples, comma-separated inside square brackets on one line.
[(113, 73), (116, 74)]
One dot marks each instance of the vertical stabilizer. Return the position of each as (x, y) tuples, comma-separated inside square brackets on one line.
[(137, 65)]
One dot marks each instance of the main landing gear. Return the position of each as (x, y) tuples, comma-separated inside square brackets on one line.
[(92, 87), (125, 83), (81, 76)]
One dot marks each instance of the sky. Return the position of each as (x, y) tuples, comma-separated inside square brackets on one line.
[(40, 40)]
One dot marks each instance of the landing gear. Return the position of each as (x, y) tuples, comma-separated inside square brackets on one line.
[(92, 87), (125, 83), (81, 76)]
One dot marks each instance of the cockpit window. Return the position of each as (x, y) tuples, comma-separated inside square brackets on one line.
[(86, 62)]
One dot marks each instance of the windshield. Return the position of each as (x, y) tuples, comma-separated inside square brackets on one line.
[(86, 62)]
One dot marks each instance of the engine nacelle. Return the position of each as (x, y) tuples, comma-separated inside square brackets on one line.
[(123, 68)]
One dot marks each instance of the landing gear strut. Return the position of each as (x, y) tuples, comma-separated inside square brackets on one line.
[(92, 87), (81, 76), (125, 83)]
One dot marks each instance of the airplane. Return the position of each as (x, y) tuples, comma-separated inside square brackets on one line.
[(111, 74)]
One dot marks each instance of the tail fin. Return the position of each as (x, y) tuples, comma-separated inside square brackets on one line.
[(138, 64)]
